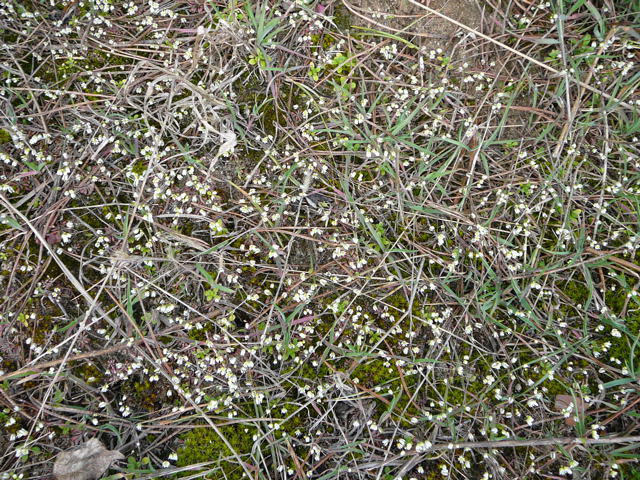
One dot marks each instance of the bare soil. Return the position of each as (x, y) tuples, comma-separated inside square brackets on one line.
[(403, 16)]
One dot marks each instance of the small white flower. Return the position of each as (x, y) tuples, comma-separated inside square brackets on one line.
[(21, 451), (274, 251)]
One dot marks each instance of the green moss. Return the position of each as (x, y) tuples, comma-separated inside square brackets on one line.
[(376, 373), (383, 375), (253, 95), (616, 299), (400, 304), (324, 40), (433, 474), (341, 17), (540, 370), (292, 427), (145, 395), (8, 365), (576, 291), (625, 321), (88, 372), (53, 71), (200, 334), (205, 445), (629, 471), (453, 394), (43, 329), (306, 374), (139, 167), (5, 415), (5, 137)]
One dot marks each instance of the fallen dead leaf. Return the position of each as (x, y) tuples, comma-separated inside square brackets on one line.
[(87, 462), (54, 237), (229, 142)]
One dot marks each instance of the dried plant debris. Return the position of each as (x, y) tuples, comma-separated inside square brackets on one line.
[(307, 239), (87, 462)]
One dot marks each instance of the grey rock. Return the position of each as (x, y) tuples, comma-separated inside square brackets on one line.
[(87, 462)]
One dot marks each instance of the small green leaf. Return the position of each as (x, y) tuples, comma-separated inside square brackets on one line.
[(207, 276), (12, 222)]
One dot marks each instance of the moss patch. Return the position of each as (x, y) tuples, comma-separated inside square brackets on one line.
[(5, 137), (205, 445), (341, 17)]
